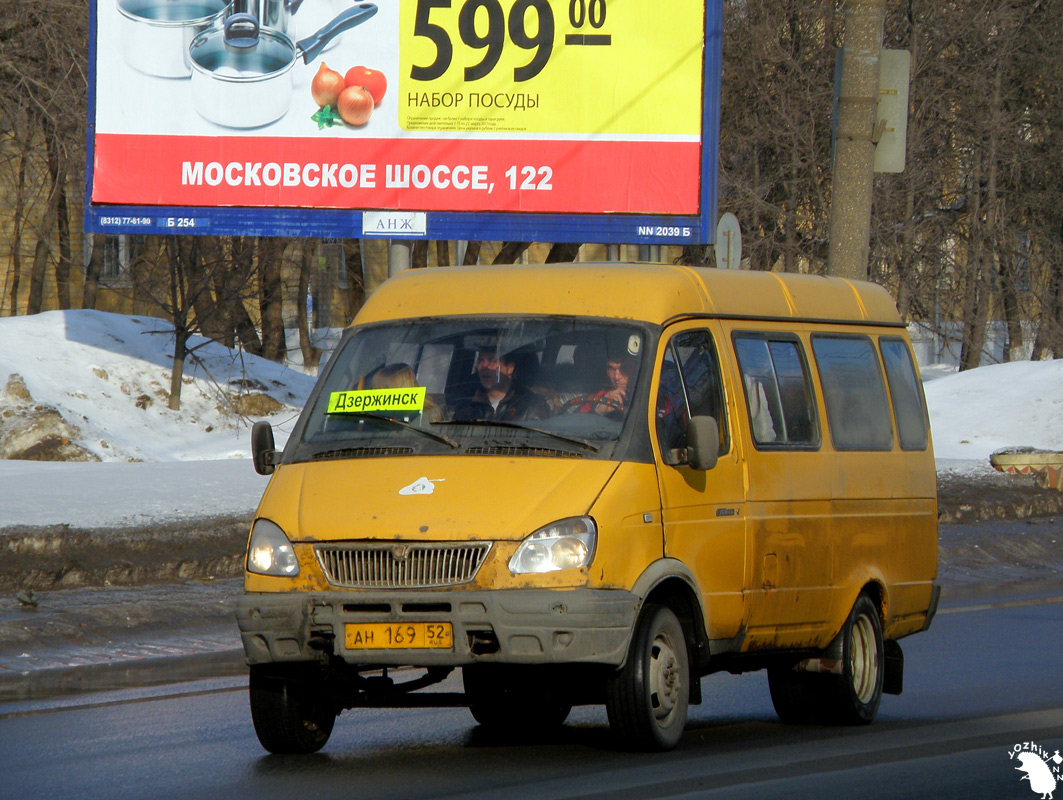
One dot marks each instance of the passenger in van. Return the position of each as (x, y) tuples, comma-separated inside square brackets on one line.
[(399, 375), (500, 396), (760, 410)]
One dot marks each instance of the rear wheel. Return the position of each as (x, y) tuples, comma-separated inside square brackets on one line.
[(853, 697), (647, 699), (290, 711), (849, 698)]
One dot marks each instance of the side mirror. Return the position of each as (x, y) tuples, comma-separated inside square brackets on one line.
[(703, 442), (263, 449)]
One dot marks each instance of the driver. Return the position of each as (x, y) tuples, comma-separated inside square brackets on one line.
[(613, 399), (500, 396)]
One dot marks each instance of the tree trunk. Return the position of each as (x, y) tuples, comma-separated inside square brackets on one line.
[(16, 243), (92, 271), (442, 253), (271, 298), (906, 269), (43, 250), (419, 256), (179, 266), (563, 251), (211, 318), (1049, 338), (177, 371), (1009, 296), (472, 253), (790, 216), (235, 275), (66, 260), (974, 296), (311, 354), (510, 252), (35, 301), (352, 265)]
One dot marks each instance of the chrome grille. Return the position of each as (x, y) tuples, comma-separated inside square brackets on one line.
[(401, 565)]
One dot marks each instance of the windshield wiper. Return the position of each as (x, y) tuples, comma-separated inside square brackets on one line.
[(439, 437), (504, 424)]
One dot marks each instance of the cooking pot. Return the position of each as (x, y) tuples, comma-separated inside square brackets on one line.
[(275, 14), (242, 71), (156, 34)]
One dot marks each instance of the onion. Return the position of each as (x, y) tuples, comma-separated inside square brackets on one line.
[(326, 86), (355, 105)]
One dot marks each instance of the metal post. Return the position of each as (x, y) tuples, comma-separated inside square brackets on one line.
[(400, 255), (854, 153)]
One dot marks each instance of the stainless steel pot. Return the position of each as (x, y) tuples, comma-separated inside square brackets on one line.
[(275, 14), (242, 72), (156, 34)]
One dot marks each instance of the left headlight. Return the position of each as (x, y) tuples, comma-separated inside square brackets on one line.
[(565, 544), (269, 552)]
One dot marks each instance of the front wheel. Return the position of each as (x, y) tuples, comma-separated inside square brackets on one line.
[(647, 699), (291, 713)]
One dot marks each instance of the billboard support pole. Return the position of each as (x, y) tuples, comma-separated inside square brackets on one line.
[(854, 155), (400, 255)]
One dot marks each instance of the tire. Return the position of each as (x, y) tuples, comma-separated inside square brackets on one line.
[(853, 697), (647, 699), (507, 701), (290, 713)]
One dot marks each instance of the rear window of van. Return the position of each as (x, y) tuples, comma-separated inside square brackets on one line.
[(854, 392), (905, 392)]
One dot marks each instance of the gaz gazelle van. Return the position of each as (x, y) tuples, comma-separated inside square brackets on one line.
[(756, 492)]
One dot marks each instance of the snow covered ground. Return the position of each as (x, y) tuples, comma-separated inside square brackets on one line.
[(108, 375)]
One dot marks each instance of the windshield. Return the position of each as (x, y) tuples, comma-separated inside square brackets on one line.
[(448, 385)]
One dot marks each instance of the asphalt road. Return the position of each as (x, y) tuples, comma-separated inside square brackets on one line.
[(986, 677)]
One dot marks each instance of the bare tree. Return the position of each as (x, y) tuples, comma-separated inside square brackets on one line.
[(271, 297), (43, 68)]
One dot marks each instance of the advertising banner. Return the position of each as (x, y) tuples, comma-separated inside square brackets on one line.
[(569, 120)]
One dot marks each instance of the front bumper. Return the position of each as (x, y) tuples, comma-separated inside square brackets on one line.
[(520, 626)]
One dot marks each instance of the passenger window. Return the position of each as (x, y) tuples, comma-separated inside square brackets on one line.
[(690, 386), (854, 392), (908, 407), (778, 391)]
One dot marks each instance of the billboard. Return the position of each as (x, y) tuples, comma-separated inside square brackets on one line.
[(536, 120)]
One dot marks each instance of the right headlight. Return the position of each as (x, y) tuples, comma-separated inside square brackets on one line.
[(565, 544), (269, 552)]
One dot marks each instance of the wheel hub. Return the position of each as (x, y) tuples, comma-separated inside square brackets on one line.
[(665, 682), (863, 659)]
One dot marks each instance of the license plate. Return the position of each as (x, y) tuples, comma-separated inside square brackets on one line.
[(399, 636)]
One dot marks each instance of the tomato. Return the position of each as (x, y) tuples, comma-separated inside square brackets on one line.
[(372, 79)]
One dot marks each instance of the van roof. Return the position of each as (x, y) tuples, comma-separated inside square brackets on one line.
[(646, 292)]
